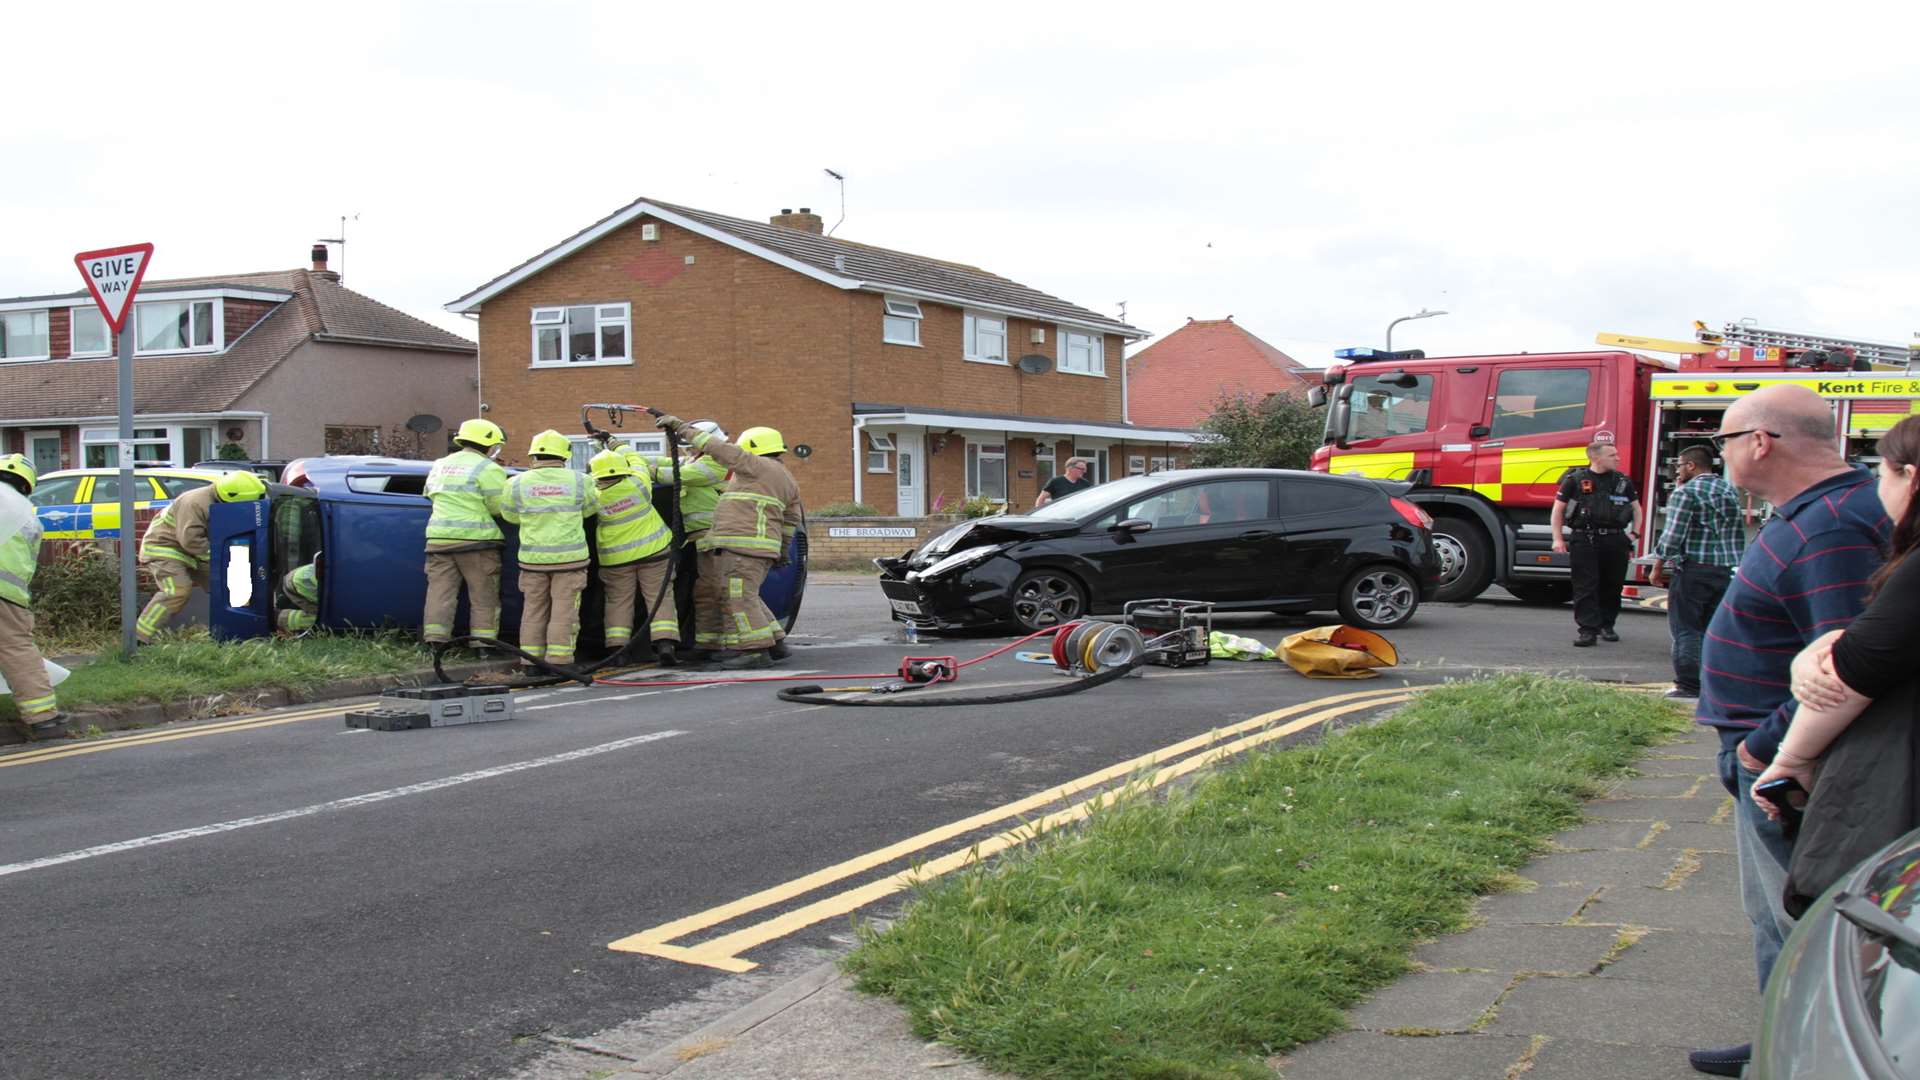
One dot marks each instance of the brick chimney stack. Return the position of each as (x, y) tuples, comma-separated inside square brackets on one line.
[(805, 220), (320, 263)]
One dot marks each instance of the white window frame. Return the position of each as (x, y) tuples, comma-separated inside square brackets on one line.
[(1045, 456), (604, 315), (970, 333), (174, 440), (1136, 465), (1159, 464), (979, 455), (1097, 459), (216, 339), (652, 444), (1097, 355), (879, 448), (903, 314), (46, 319), (74, 315)]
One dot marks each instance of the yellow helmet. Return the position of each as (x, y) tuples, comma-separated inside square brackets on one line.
[(609, 463), (550, 443), (484, 434), (762, 441), (18, 465), (239, 485)]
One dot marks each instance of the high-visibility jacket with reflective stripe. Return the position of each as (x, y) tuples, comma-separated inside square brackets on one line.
[(759, 510), (701, 482), (629, 528), (180, 532), (465, 487), (304, 584), (19, 553), (551, 506)]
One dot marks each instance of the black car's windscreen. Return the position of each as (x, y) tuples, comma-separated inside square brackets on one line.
[(1085, 502)]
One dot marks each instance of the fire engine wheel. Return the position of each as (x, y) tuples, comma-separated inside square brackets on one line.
[(1379, 597), (1466, 559), (1044, 598)]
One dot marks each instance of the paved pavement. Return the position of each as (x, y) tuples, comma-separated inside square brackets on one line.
[(277, 897)]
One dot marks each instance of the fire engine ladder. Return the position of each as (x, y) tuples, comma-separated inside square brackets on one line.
[(1876, 353)]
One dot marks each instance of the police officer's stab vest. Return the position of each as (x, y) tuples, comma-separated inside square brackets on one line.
[(1600, 501), (630, 528), (19, 555), (551, 506), (465, 488)]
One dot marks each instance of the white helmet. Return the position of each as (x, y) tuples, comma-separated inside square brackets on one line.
[(710, 427)]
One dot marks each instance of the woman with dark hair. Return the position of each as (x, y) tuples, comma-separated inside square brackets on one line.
[(1869, 776)]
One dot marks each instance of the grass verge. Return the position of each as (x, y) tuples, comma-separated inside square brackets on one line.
[(1193, 936), (191, 664)]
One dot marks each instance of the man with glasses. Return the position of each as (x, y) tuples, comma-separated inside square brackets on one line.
[(1062, 486), (1599, 505), (1803, 575)]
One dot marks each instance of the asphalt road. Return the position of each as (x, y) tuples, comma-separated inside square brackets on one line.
[(295, 900)]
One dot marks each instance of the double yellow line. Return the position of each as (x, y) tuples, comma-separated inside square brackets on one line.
[(67, 749), (724, 952)]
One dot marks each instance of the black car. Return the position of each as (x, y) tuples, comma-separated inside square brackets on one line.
[(1245, 539)]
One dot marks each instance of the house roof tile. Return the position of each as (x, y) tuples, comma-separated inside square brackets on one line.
[(1176, 381)]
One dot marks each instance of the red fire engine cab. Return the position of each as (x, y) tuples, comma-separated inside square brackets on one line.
[(1484, 439)]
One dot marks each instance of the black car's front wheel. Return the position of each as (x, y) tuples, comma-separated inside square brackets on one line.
[(1379, 597), (1047, 598)]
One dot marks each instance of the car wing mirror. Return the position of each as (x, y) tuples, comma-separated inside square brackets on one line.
[(1131, 526)]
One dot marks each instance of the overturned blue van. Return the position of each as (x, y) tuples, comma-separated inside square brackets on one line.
[(369, 516)]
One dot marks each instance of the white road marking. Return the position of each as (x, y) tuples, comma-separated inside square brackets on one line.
[(337, 804), (616, 697)]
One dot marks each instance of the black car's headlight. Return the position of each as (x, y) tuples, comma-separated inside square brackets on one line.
[(957, 560)]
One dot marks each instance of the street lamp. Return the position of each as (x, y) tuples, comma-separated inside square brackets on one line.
[(1423, 313)]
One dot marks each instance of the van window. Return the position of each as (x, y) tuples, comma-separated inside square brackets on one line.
[(389, 484), (1540, 401), (1381, 406)]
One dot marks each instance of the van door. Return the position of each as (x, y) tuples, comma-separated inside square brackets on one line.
[(239, 575)]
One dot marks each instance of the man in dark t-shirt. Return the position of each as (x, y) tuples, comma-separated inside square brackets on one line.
[(1062, 486), (1598, 506)]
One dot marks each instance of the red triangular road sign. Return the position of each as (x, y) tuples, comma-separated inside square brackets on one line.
[(113, 276)]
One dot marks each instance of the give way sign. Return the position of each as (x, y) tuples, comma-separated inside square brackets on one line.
[(113, 276)]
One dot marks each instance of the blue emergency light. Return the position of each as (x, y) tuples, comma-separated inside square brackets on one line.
[(1366, 354)]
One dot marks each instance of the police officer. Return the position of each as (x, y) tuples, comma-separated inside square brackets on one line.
[(1598, 505)]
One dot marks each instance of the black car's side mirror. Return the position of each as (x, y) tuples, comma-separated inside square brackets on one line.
[(1131, 526)]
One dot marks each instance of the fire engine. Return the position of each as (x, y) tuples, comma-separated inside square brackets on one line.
[(1484, 439)]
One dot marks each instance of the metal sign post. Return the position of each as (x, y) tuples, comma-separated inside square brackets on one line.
[(113, 276)]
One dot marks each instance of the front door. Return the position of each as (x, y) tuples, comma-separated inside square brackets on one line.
[(908, 475), (44, 448)]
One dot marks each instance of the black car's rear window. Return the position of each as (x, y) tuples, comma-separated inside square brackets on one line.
[(1299, 497)]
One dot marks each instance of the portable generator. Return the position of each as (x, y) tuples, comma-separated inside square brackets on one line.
[(1176, 630)]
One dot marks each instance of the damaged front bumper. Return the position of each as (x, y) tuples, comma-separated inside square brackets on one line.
[(975, 594)]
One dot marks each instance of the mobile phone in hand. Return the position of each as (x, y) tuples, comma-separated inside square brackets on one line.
[(1789, 797)]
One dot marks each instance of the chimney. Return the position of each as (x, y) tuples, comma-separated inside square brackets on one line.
[(806, 220), (320, 263)]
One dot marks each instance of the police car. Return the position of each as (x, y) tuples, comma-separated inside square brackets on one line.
[(84, 504)]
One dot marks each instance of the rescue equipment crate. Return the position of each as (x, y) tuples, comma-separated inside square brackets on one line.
[(378, 719), (1190, 620), (435, 706)]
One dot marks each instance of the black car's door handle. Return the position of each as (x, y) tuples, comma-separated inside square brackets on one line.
[(1257, 534)]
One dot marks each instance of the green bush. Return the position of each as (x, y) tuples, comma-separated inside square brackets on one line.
[(76, 596), (230, 451), (846, 509), (1280, 431), (980, 506)]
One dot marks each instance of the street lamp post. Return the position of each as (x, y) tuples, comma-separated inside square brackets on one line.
[(1423, 313)]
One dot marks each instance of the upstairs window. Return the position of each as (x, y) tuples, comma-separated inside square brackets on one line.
[(902, 323), (654, 445), (1083, 354), (23, 335), (89, 332), (585, 334), (986, 337), (163, 326)]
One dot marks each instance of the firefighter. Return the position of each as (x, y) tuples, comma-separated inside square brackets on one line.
[(1598, 505), (300, 591), (635, 556), (20, 661), (463, 540), (701, 481), (175, 549), (752, 522), (551, 503)]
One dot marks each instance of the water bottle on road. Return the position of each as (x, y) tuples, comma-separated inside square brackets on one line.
[(913, 634)]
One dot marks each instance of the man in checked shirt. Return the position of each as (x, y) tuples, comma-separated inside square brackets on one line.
[(1696, 553)]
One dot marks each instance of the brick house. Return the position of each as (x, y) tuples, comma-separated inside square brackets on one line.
[(914, 383), (1179, 379), (286, 363)]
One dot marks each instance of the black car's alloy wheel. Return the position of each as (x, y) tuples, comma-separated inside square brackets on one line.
[(1379, 597), (1044, 598)]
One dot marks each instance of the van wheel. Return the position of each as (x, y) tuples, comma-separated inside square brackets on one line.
[(1379, 597), (1466, 559)]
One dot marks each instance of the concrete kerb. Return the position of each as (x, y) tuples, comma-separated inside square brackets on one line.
[(738, 1022), (244, 702)]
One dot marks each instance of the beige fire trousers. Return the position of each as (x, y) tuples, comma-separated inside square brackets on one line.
[(550, 612), (639, 580), (479, 570), (22, 665)]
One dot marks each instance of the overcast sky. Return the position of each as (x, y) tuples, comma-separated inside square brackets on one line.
[(1540, 171)]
